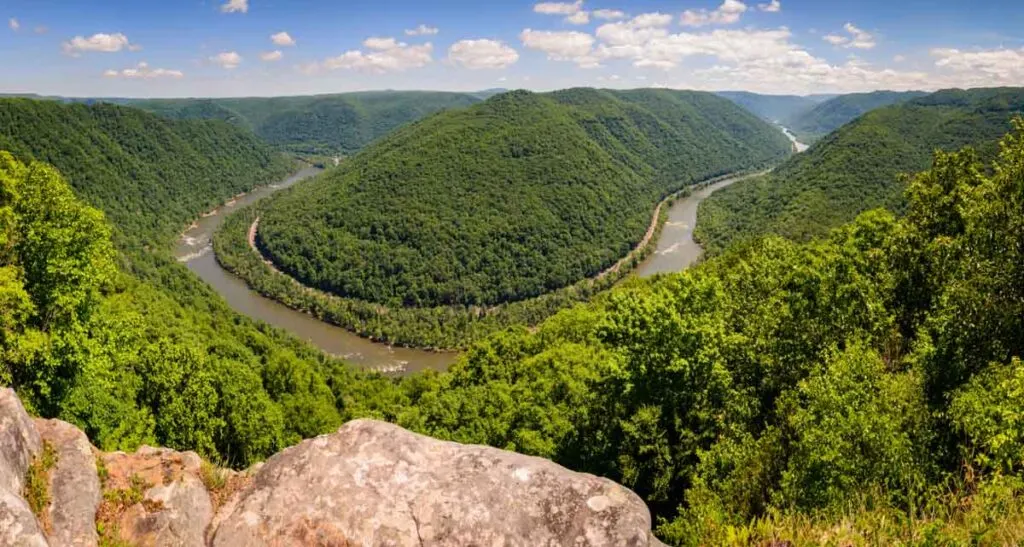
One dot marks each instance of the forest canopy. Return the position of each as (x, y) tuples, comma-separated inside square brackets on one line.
[(506, 200), (857, 168)]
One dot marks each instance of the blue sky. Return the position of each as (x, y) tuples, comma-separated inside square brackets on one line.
[(274, 47)]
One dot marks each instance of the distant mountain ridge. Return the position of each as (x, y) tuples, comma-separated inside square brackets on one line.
[(774, 108), (857, 167), (827, 116)]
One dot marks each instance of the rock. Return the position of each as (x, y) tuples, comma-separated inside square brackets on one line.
[(74, 485), (18, 526), (373, 483), (19, 442), (175, 508)]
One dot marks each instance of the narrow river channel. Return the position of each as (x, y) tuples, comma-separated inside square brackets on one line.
[(676, 251)]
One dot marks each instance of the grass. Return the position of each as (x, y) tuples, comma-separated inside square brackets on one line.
[(37, 483), (115, 502)]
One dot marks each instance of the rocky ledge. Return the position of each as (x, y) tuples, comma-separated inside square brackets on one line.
[(369, 484)]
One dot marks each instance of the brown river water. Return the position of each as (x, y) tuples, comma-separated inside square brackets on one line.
[(675, 251)]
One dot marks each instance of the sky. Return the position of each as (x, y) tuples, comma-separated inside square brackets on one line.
[(215, 48)]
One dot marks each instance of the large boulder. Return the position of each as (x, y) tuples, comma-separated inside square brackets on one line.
[(373, 483), (175, 507), (74, 485), (19, 443)]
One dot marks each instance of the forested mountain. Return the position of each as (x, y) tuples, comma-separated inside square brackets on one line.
[(814, 123), (315, 125), (774, 108), (857, 167), (861, 389), (150, 175), (122, 340), (508, 199)]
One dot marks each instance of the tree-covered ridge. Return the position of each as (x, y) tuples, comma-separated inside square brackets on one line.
[(857, 167), (506, 200), (151, 175), (774, 108), (865, 388), (338, 124), (820, 120), (145, 352)]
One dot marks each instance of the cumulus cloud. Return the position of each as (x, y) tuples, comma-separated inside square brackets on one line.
[(270, 56), (562, 45), (578, 18), (982, 67), (13, 24), (235, 6), (142, 71), (282, 39), (609, 14), (726, 14), (422, 30), (771, 7), (477, 54), (558, 8), (227, 59), (101, 42), (857, 39), (384, 55)]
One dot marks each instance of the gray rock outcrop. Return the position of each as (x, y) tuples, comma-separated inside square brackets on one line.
[(74, 486), (373, 483), (369, 484)]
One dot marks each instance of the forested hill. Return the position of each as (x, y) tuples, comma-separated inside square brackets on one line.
[(508, 199), (149, 174), (774, 108), (319, 124), (857, 167), (812, 124)]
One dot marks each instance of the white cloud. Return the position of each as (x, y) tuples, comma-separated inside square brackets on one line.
[(558, 8), (227, 59), (772, 7), (101, 42), (13, 24), (861, 39), (385, 55), (270, 56), (233, 6), (282, 39), (858, 38), (1001, 66), (476, 54), (899, 59), (562, 45), (422, 30), (609, 14), (726, 14), (578, 18), (142, 71)]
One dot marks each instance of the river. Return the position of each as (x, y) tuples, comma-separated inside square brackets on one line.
[(194, 250), (676, 251)]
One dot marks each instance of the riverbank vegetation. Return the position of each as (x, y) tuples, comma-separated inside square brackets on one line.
[(496, 215), (857, 168)]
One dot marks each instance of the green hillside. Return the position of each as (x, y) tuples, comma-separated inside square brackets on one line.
[(319, 124), (150, 175), (124, 341), (812, 124), (774, 108), (857, 167), (520, 195)]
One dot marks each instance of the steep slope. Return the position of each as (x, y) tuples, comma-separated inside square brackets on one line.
[(508, 199), (824, 118), (156, 356), (316, 125), (150, 175), (774, 108), (857, 167)]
